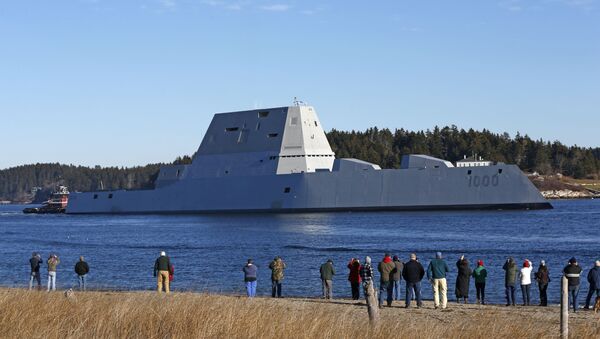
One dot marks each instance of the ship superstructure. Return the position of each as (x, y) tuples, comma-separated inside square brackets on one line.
[(279, 160)]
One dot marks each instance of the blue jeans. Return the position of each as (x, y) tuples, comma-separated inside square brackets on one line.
[(35, 276), (397, 289), (526, 290), (251, 288), (591, 292), (276, 288), (510, 294), (413, 290), (81, 279), (573, 292), (386, 288)]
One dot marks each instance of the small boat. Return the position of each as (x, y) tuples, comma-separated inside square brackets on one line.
[(57, 203)]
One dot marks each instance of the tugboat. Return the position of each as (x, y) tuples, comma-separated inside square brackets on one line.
[(57, 203)]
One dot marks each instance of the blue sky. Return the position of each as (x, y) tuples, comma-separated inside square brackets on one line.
[(128, 82)]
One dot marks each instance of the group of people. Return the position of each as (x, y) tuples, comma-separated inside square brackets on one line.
[(391, 273), (81, 269)]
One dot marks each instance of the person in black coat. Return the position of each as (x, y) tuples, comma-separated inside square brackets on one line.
[(81, 268), (462, 279), (413, 273)]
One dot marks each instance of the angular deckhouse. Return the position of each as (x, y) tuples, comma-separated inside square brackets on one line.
[(279, 160)]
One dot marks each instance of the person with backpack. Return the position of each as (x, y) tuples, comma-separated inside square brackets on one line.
[(480, 275), (82, 269)]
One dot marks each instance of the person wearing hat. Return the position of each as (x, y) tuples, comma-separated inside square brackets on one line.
[(542, 276), (366, 271), (572, 271), (162, 267), (436, 274), (277, 266), (593, 278), (35, 262), (397, 278), (463, 279), (480, 275), (354, 277), (525, 274), (386, 272), (250, 274), (510, 278), (413, 272), (327, 272)]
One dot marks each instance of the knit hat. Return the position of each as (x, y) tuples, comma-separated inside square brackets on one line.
[(597, 263), (572, 261), (367, 259), (396, 258), (543, 262), (526, 263), (438, 255), (329, 260), (480, 263), (162, 253)]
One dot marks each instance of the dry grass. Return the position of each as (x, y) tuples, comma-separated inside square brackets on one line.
[(26, 314)]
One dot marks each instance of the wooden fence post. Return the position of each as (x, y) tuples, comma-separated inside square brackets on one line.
[(564, 308), (372, 303)]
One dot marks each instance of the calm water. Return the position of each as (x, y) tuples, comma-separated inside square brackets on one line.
[(209, 251)]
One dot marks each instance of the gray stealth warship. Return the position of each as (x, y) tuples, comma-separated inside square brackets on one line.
[(279, 160)]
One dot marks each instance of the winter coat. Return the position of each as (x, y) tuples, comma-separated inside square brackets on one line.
[(572, 272), (250, 271), (35, 264), (542, 275), (354, 275), (593, 278), (526, 275), (327, 271), (397, 276), (277, 266), (463, 278), (479, 274), (510, 276), (437, 269), (82, 268), (413, 272), (386, 269), (162, 263), (366, 272), (52, 263)]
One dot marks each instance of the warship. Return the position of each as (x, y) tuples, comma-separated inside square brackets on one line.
[(278, 160)]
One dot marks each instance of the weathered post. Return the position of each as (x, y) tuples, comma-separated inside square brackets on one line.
[(372, 306), (564, 308)]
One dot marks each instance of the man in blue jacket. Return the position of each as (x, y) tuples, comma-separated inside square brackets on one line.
[(436, 274), (593, 278)]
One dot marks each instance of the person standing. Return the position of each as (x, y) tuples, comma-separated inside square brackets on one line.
[(277, 266), (510, 279), (81, 268), (386, 271), (35, 262), (397, 278), (250, 276), (572, 271), (436, 274), (463, 279), (327, 272), (413, 273), (593, 278), (480, 275), (526, 282), (542, 276), (354, 277), (52, 262), (162, 268)]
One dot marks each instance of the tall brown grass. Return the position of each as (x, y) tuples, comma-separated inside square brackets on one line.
[(25, 314)]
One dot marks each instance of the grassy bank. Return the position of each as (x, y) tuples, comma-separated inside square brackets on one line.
[(188, 315)]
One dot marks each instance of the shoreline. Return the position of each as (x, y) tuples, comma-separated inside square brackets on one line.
[(147, 314)]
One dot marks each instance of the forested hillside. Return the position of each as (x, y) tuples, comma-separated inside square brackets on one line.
[(380, 146)]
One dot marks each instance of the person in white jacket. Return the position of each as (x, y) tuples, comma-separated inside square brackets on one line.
[(526, 282)]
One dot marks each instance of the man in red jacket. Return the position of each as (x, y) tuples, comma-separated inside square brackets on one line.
[(354, 277)]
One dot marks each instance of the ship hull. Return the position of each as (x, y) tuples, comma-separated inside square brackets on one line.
[(490, 187)]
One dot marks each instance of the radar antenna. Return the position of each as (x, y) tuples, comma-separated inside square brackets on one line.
[(298, 102)]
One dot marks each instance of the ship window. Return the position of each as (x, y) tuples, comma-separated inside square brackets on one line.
[(178, 172), (287, 190), (500, 171), (95, 196), (469, 172), (231, 129), (273, 135), (257, 126), (110, 196), (263, 114), (316, 124), (294, 121)]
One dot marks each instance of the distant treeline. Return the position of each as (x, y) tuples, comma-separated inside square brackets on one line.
[(380, 146)]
